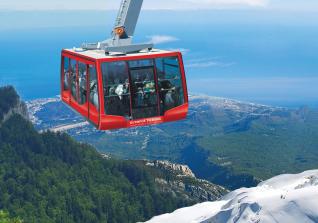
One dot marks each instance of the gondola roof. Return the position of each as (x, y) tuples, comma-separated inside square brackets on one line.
[(100, 54)]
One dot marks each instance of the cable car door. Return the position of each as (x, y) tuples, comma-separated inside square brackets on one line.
[(144, 91)]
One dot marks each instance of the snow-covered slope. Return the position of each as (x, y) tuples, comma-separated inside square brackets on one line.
[(283, 199)]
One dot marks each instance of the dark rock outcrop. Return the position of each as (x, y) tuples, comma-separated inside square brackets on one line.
[(11, 104)]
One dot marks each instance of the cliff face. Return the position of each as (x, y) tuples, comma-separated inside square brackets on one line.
[(20, 108), (181, 170), (11, 104), (179, 180)]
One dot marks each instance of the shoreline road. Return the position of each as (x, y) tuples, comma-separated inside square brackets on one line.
[(63, 128)]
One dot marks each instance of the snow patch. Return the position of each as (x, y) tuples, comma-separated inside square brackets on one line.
[(288, 198)]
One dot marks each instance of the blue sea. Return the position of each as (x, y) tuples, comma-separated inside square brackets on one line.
[(258, 56)]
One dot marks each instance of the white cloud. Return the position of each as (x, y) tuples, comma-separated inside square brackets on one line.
[(207, 62), (158, 39), (295, 5), (182, 50)]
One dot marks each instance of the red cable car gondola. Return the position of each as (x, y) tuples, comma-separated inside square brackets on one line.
[(116, 85)]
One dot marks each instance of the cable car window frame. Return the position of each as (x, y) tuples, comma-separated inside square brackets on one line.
[(178, 82), (121, 95), (177, 87), (66, 74), (82, 88), (93, 87)]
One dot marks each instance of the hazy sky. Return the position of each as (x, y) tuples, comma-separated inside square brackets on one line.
[(161, 4)]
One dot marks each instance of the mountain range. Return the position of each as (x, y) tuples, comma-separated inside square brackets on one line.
[(227, 142), (49, 177)]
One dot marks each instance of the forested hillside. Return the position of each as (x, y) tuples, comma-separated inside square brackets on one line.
[(49, 177)]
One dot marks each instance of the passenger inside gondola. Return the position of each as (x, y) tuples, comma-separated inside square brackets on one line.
[(73, 79), (82, 83), (93, 95), (116, 89), (144, 95), (170, 83), (167, 95), (93, 87), (66, 74)]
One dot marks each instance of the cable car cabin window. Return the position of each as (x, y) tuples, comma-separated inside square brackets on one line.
[(116, 88), (169, 83), (73, 79), (93, 87), (82, 83), (143, 89), (66, 74)]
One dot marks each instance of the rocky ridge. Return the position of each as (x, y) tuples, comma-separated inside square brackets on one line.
[(179, 180), (12, 104)]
